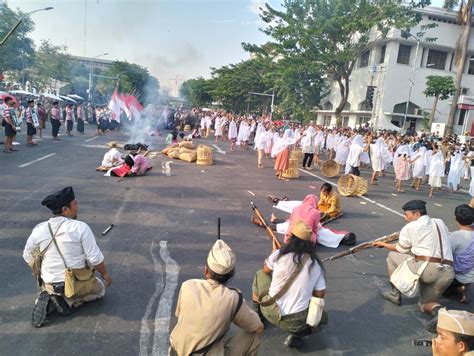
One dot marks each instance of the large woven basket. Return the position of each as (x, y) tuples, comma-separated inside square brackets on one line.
[(296, 154), (350, 184), (204, 156), (330, 168), (292, 172)]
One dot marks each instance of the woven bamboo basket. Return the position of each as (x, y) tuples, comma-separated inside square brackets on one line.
[(297, 154), (292, 172), (188, 156), (204, 156), (186, 144), (330, 168), (187, 128), (350, 184)]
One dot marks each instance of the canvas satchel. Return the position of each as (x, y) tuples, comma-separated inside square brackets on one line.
[(406, 281), (38, 256), (315, 311), (78, 282)]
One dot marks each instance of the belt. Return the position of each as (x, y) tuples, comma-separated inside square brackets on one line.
[(434, 260)]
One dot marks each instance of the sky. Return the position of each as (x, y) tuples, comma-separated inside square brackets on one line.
[(172, 38)]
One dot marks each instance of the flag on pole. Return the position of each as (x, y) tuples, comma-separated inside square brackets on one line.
[(134, 105), (124, 106), (114, 106)]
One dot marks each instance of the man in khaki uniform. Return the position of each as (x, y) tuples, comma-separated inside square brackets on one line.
[(455, 331), (206, 308)]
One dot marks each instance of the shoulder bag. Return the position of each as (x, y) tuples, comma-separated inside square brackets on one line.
[(78, 282), (38, 256), (406, 281)]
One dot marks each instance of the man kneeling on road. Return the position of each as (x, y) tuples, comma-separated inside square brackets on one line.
[(65, 245), (206, 308)]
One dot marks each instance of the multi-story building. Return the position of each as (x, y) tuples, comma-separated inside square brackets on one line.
[(97, 63), (386, 68)]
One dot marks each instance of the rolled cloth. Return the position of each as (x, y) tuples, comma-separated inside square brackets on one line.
[(307, 212)]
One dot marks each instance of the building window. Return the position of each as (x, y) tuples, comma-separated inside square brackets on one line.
[(345, 121), (437, 59), (364, 59), (327, 120), (462, 116), (464, 91), (404, 54), (470, 68), (362, 120), (382, 54)]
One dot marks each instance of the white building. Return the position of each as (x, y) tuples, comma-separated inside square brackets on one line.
[(388, 66)]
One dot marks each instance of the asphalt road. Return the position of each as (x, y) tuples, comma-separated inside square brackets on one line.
[(164, 227)]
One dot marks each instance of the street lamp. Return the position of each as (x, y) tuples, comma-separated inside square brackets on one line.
[(7, 36), (90, 73), (272, 95)]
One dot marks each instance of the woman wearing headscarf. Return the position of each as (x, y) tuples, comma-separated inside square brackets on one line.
[(436, 171), (281, 151), (355, 151), (402, 171), (232, 134), (377, 158), (456, 169), (259, 143), (342, 150), (308, 146), (419, 166)]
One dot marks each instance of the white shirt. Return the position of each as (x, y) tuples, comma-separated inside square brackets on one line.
[(420, 236), (77, 244), (111, 157), (297, 298)]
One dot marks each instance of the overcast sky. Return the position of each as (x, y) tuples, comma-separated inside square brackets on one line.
[(170, 37)]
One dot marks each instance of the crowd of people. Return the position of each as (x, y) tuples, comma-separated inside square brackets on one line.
[(290, 289)]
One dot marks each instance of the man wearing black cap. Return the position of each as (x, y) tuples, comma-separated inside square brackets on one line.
[(423, 240), (74, 245), (55, 121), (31, 125)]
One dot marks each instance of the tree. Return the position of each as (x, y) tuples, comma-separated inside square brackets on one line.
[(439, 87), (464, 20), (17, 52), (332, 34), (197, 91), (51, 64)]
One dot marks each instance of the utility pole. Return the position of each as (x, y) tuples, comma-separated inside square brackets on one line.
[(177, 80)]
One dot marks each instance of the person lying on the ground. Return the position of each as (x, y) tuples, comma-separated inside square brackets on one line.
[(141, 164), (462, 243), (112, 158), (125, 169), (329, 204)]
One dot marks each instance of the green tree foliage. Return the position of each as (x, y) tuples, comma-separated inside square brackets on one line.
[(51, 64), (441, 88), (134, 79), (332, 34), (17, 52), (197, 91)]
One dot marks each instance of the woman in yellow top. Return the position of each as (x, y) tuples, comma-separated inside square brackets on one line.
[(329, 204)]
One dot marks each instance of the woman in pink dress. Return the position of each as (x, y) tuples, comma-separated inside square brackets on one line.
[(402, 167)]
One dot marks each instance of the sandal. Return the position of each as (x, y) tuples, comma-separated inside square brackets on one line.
[(7, 151)]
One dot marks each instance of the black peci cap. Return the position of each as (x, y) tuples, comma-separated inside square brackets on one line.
[(414, 205), (57, 200)]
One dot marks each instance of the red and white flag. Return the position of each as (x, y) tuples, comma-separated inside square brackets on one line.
[(134, 106), (114, 106), (124, 106)]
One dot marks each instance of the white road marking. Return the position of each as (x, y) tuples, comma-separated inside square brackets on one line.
[(218, 149), (360, 196), (90, 139), (95, 146), (251, 193), (163, 313), (145, 330), (36, 160)]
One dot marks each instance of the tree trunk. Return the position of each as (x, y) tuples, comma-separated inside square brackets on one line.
[(433, 110), (461, 52), (344, 91)]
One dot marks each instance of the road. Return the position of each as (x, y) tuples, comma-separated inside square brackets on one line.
[(164, 227)]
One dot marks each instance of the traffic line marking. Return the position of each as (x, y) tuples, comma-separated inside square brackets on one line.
[(90, 139), (36, 160), (218, 149), (251, 193), (360, 196)]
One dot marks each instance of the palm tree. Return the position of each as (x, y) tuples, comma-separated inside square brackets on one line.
[(464, 20)]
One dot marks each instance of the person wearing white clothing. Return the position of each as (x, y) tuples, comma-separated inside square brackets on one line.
[(218, 127), (285, 305), (455, 170), (112, 158), (377, 158), (436, 169), (419, 166), (64, 241), (232, 135)]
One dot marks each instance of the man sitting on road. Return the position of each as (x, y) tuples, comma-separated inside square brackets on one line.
[(206, 309), (63, 240)]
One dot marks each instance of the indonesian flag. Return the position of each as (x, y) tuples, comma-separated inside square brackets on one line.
[(134, 105), (114, 106), (124, 106)]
